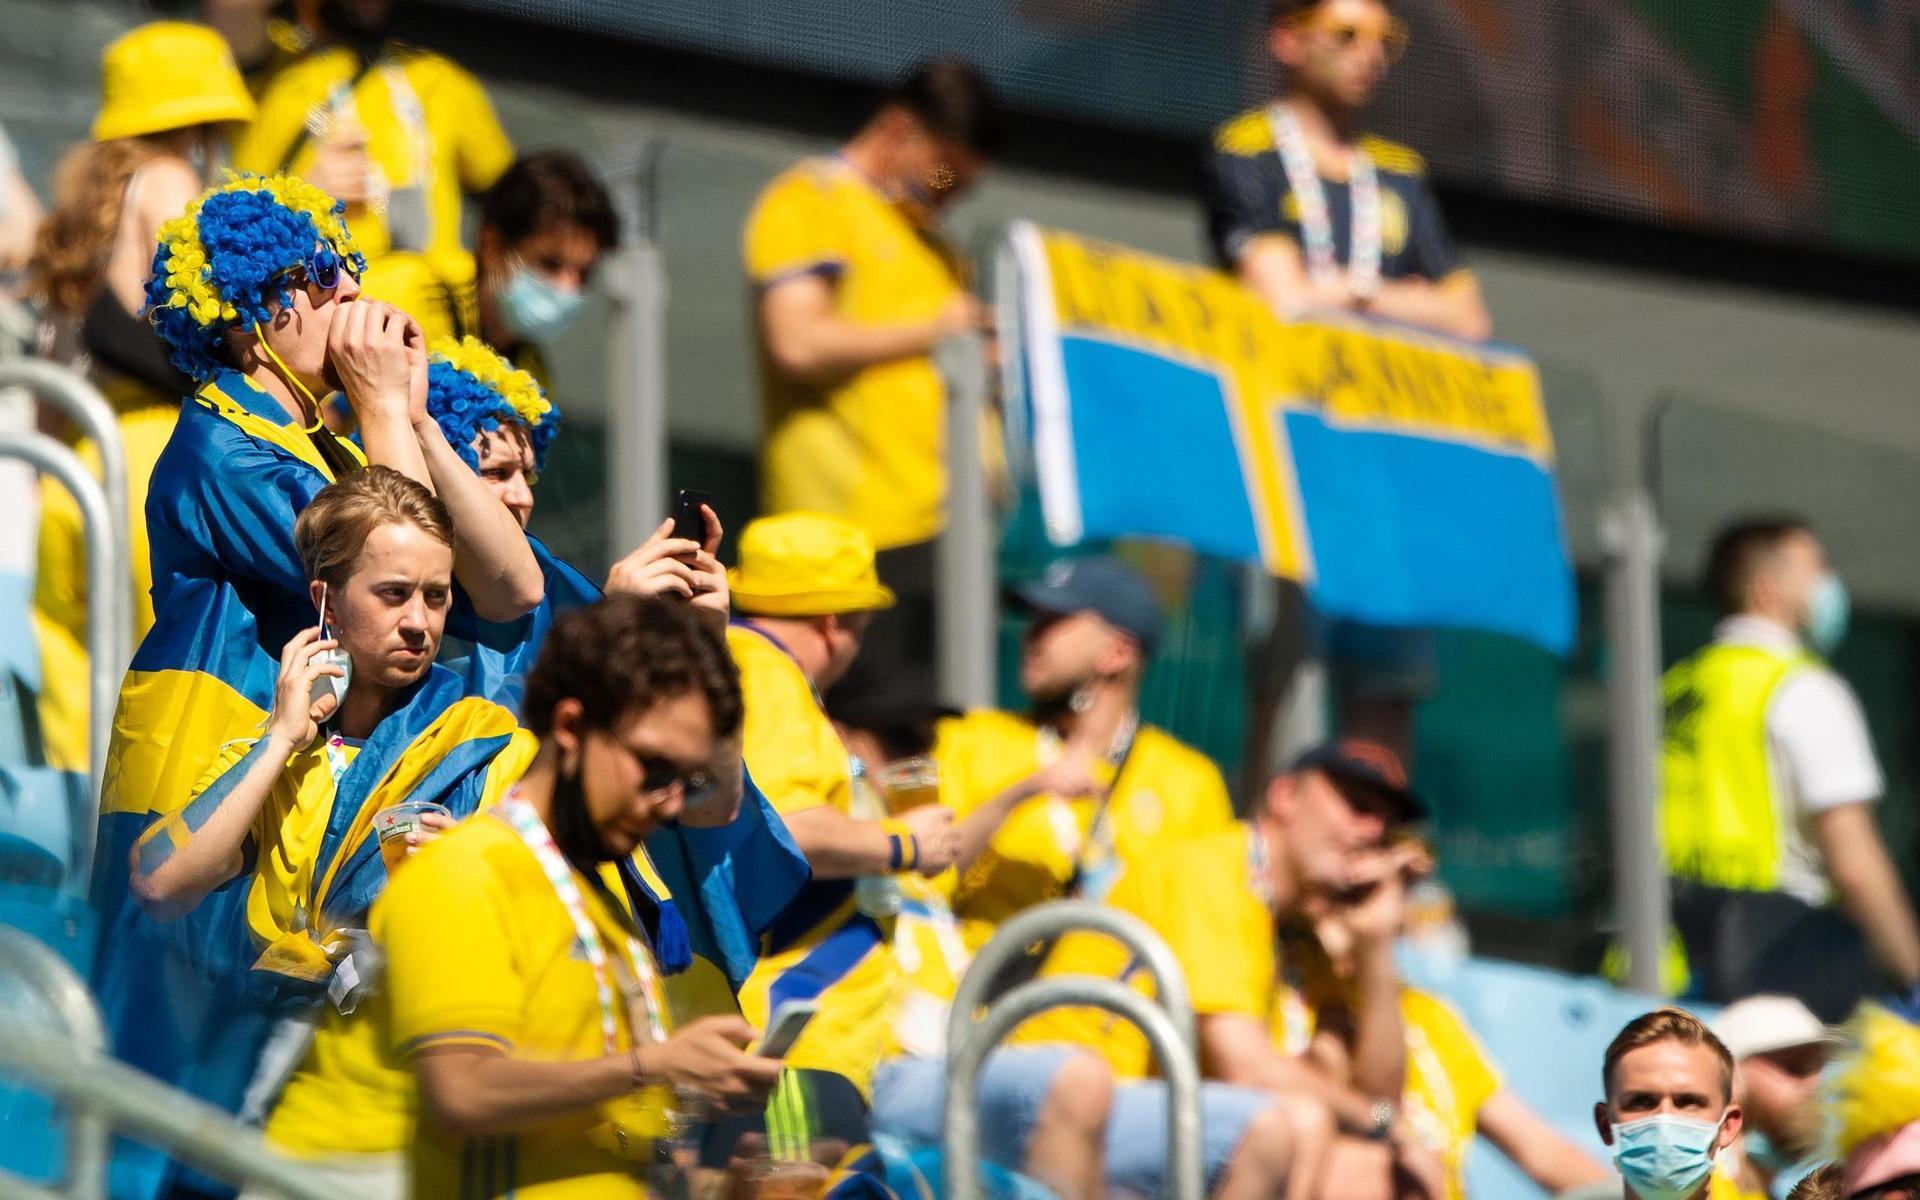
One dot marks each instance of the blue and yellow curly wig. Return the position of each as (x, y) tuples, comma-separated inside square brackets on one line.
[(472, 390), (220, 265)]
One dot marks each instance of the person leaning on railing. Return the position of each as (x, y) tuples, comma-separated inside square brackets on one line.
[(854, 286)]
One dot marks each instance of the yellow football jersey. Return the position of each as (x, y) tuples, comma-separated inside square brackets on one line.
[(869, 448), (1169, 793), (823, 948)]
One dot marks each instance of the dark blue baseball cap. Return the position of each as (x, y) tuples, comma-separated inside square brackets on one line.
[(1370, 765), (1101, 585)]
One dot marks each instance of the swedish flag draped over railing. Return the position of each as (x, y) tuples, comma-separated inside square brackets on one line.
[(1404, 478)]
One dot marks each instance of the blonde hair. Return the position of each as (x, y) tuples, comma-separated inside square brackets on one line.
[(334, 527), (1665, 1025), (69, 262), (1875, 1089)]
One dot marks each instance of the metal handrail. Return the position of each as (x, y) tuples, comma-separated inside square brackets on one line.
[(964, 556), (1047, 921), (106, 572), (47, 975), (82, 403), (103, 1094), (1171, 1047)]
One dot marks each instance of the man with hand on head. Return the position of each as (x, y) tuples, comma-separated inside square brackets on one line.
[(1280, 1108), (1669, 1109), (524, 993), (1779, 1050)]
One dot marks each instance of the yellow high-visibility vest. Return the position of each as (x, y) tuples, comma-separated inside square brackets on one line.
[(1719, 814)]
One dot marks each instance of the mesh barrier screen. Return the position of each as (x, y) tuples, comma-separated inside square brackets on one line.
[(1794, 121)]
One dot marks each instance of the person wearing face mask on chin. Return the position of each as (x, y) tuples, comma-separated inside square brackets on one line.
[(854, 286), (1781, 882), (1669, 1109)]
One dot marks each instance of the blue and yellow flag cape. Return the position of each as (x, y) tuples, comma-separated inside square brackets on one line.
[(192, 1000), (228, 593)]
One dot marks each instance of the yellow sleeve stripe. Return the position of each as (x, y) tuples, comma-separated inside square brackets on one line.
[(813, 266), (1392, 156), (456, 1037), (1247, 135)]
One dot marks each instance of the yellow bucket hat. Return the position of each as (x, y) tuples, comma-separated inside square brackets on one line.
[(805, 565), (168, 75)]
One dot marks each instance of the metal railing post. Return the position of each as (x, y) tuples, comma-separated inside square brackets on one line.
[(1048, 921), (967, 610), (1172, 1047), (106, 575), (47, 975), (637, 467), (87, 408), (102, 1094), (1630, 536)]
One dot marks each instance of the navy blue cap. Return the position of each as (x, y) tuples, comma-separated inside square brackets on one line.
[(1369, 764), (1101, 585)]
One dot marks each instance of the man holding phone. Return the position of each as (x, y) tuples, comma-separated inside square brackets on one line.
[(527, 997)]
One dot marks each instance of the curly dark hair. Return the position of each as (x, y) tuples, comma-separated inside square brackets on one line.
[(625, 654)]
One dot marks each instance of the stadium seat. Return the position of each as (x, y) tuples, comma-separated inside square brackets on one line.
[(1548, 1031)]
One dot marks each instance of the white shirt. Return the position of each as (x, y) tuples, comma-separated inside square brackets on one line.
[(1818, 752)]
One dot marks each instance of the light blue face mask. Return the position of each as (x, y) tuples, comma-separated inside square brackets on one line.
[(1665, 1157), (534, 308), (1762, 1153), (1827, 613)]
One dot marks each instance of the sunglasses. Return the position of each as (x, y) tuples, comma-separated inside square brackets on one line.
[(658, 774), (322, 269), (1389, 33)]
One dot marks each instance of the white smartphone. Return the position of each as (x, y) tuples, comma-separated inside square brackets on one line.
[(329, 685), (784, 1029)]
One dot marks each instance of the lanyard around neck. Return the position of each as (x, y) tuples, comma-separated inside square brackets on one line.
[(518, 814), (1316, 221)]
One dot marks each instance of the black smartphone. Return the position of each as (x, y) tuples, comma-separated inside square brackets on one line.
[(688, 521)]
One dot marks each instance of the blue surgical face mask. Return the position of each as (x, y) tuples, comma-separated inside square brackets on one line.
[(1762, 1153), (1827, 612), (534, 308), (1665, 1157)]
